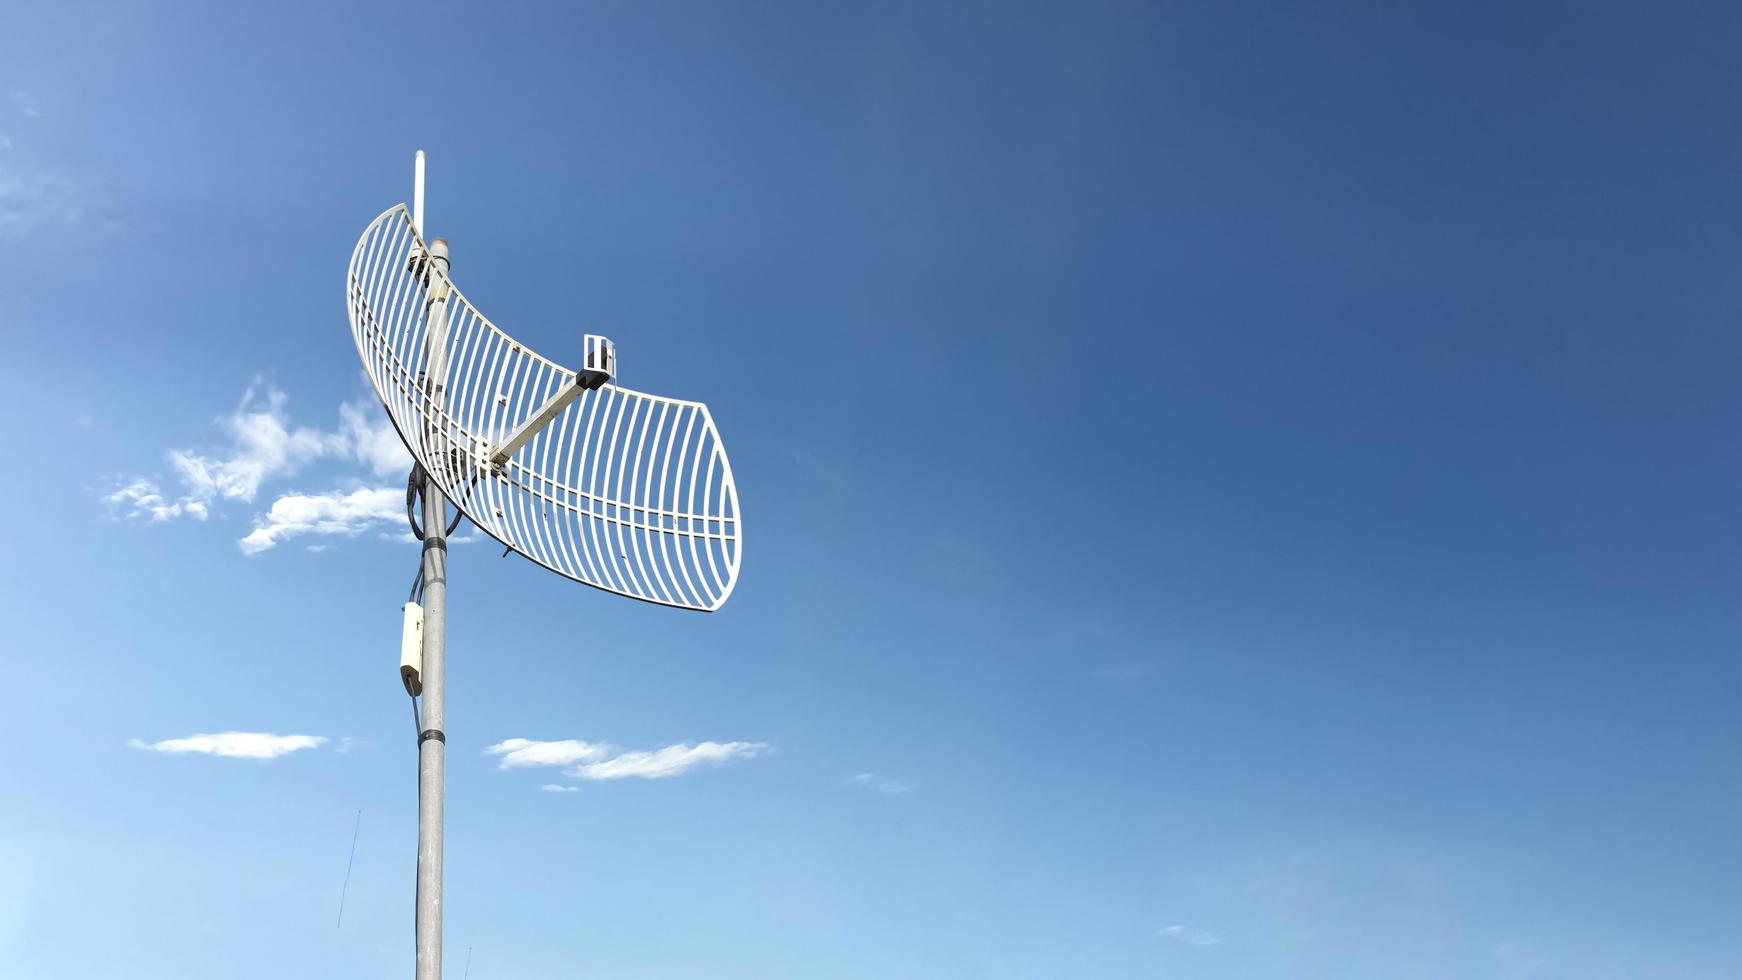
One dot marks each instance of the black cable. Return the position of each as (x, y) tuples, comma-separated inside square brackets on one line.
[(459, 512), (412, 484)]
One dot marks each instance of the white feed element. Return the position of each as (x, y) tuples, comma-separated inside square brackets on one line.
[(599, 365), (411, 650), (624, 491)]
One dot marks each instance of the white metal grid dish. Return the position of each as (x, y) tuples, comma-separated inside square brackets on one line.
[(624, 491)]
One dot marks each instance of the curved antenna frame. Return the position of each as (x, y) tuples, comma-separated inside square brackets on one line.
[(624, 491)]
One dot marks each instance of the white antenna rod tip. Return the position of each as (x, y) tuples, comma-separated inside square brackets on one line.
[(417, 194)]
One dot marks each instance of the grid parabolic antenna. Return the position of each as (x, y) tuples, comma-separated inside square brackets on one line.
[(624, 491)]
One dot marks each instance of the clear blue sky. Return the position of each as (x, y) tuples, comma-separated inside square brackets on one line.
[(1232, 491)]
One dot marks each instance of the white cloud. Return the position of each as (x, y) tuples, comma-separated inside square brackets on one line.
[(669, 761), (234, 745), (879, 784), (517, 753), (265, 444), (27, 104), (1192, 937), (599, 761), (143, 500), (370, 439), (324, 513), (557, 788)]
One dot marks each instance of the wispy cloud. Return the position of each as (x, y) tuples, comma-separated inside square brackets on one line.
[(518, 753), (959, 563), (32, 203), (27, 104), (559, 788), (817, 468), (234, 745), (348, 514), (669, 761), (369, 438), (1191, 936), (601, 761), (879, 784), (260, 444), (264, 444), (143, 500)]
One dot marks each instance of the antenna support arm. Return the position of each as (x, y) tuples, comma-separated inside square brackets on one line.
[(600, 367), (541, 418)]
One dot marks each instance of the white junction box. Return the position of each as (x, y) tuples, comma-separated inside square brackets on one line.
[(411, 650)]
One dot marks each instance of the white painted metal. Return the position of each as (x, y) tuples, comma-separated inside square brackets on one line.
[(417, 194), (411, 650), (523, 433), (599, 361), (621, 490)]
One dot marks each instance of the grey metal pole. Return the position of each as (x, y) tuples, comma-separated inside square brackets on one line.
[(432, 740)]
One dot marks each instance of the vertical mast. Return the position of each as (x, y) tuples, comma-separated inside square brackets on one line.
[(432, 740)]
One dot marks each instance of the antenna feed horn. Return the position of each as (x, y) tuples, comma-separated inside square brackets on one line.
[(599, 362)]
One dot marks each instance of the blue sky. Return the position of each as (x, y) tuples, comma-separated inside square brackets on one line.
[(1231, 491)]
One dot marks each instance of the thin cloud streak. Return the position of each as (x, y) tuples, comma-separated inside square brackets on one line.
[(669, 761), (1192, 937), (879, 784), (233, 745), (347, 514), (518, 753), (598, 761)]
